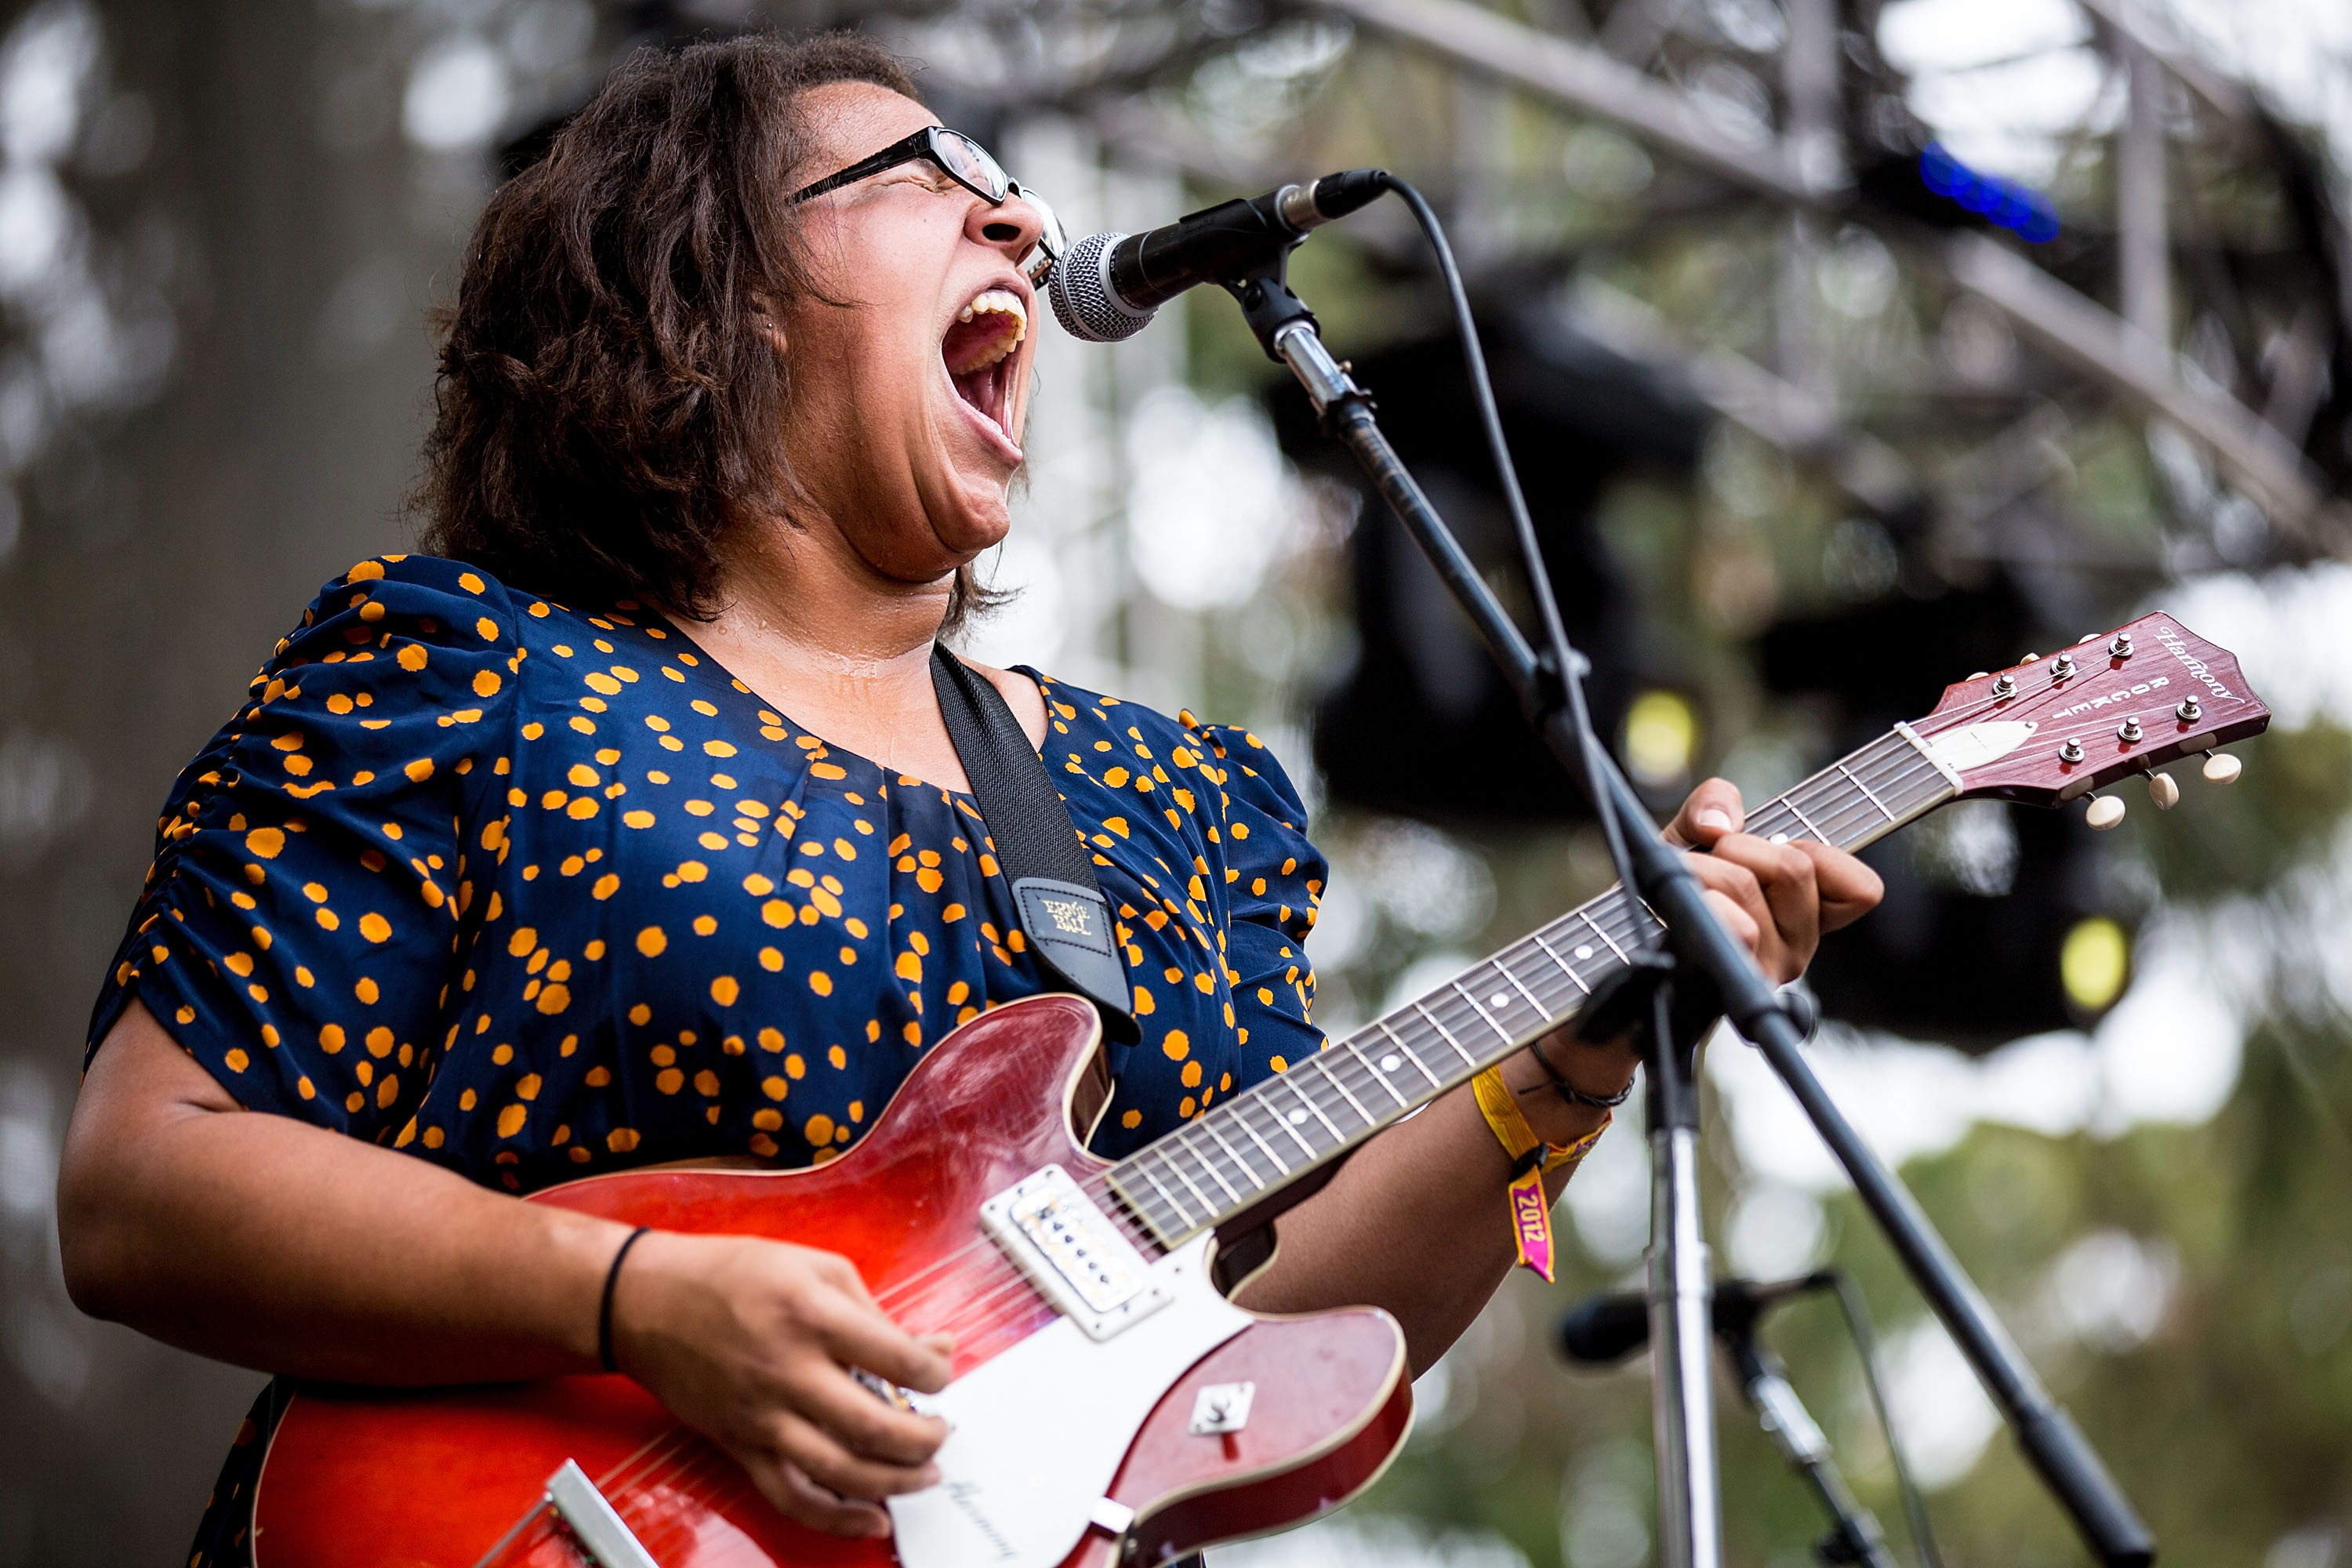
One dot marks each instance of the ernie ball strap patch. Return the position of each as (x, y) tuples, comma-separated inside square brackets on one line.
[(1071, 927)]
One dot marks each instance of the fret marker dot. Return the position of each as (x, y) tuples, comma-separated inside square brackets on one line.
[(1391, 1062), (1584, 950), (1778, 838), (1297, 1117), (1498, 1000)]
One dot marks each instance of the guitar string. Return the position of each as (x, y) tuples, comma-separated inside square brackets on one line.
[(1910, 766), (1502, 964), (976, 1311), (722, 1473), (1832, 823), (663, 1456), (1618, 923), (979, 1314)]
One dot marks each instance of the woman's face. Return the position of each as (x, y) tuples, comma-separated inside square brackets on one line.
[(909, 394)]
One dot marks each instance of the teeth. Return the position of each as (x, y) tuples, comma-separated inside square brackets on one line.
[(1011, 327), (1002, 299)]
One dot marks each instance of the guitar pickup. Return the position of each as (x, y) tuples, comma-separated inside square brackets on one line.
[(1073, 1253)]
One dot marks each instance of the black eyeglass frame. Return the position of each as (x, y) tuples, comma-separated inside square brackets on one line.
[(924, 145)]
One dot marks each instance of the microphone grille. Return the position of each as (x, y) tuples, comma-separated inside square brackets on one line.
[(1084, 301)]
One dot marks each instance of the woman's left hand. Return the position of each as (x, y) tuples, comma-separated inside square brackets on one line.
[(1776, 897)]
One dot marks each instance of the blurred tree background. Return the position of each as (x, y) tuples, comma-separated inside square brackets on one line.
[(1847, 347)]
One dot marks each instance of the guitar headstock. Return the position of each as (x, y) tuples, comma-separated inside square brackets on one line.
[(2118, 703)]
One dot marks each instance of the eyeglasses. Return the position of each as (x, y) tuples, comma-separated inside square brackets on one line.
[(967, 163)]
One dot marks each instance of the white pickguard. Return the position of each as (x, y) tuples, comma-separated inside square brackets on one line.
[(1040, 1431)]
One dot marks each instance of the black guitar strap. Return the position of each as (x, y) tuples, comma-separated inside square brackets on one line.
[(1063, 912)]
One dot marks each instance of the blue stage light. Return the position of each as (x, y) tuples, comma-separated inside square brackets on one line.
[(2023, 211)]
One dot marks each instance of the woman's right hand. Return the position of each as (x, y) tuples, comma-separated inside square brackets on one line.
[(749, 1343)]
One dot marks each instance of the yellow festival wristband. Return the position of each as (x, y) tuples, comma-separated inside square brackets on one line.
[(1531, 1160)]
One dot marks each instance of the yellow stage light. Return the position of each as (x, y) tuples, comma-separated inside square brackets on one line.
[(2094, 963)]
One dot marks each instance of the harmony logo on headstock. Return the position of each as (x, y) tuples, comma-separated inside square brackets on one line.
[(2048, 730)]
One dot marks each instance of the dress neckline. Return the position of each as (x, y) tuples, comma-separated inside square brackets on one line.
[(736, 687)]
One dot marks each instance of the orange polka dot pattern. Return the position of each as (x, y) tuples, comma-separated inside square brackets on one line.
[(535, 893)]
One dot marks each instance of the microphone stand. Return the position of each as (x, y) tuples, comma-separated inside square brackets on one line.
[(1550, 692), (1855, 1535)]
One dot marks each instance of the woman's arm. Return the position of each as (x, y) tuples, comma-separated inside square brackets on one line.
[(1415, 1221), (262, 1240)]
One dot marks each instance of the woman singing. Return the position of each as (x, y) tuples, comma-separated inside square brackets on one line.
[(623, 827)]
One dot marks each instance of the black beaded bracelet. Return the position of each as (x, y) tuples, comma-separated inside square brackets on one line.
[(604, 1309), (1573, 1095)]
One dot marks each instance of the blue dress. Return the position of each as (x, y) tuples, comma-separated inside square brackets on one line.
[(536, 893)]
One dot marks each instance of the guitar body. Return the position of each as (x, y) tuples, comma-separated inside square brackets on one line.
[(443, 1477)]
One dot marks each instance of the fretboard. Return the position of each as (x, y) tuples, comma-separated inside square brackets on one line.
[(1245, 1149)]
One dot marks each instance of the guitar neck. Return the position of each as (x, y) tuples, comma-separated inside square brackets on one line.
[(1239, 1154)]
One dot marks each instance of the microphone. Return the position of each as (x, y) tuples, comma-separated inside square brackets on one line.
[(1110, 285), (1602, 1329)]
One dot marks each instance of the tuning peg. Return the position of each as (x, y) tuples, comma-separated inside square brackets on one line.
[(2163, 791), (2104, 812), (2223, 768)]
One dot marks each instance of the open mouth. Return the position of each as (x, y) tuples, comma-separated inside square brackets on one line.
[(978, 352)]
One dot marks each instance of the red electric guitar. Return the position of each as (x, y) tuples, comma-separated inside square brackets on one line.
[(1110, 1404)]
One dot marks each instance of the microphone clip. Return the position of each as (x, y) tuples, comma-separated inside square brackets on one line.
[(1262, 289)]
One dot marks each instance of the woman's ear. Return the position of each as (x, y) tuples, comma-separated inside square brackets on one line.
[(769, 320)]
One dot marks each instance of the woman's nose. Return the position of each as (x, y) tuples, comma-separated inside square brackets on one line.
[(1012, 228)]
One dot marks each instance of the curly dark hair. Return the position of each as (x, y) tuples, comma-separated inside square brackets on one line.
[(608, 403)]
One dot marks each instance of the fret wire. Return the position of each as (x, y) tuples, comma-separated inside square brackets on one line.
[(1208, 1126), (1357, 1051), (1449, 996), (1569, 998), (1408, 1053), (1603, 935), (1565, 968), (1333, 1074), (1539, 1006), (1283, 1123), (1183, 1218), (1805, 826), (1860, 770), (1500, 1032), (1183, 1140), (1814, 778), (1914, 770), (1621, 911), (1786, 801), (1423, 1010), (1790, 801), (1499, 1001), (1208, 1204), (1860, 819), (1864, 827), (1837, 818), (1901, 763), (1307, 1100), (1242, 1117)]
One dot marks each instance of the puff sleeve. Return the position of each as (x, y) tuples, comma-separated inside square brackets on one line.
[(315, 866), (1275, 878)]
